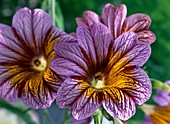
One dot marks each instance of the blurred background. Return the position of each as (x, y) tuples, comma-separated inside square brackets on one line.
[(157, 67)]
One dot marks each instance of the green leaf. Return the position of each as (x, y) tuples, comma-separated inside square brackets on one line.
[(18, 111)]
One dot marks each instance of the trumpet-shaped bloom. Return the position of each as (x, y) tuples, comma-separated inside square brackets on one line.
[(158, 114), (115, 19), (26, 50), (100, 71)]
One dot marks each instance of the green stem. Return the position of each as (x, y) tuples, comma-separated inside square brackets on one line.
[(98, 116), (53, 11)]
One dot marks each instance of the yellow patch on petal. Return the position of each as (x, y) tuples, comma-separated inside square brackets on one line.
[(50, 76), (49, 49), (27, 82)]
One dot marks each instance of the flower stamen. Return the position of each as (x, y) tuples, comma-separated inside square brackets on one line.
[(40, 64), (98, 81)]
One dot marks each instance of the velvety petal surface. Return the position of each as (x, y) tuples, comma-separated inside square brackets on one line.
[(11, 48), (89, 18), (32, 26), (127, 52), (114, 18), (69, 61), (80, 96), (10, 51), (139, 23), (41, 90), (94, 42), (8, 93), (146, 36), (108, 16), (131, 86)]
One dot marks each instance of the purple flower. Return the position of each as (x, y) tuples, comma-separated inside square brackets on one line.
[(25, 55), (163, 97), (100, 71), (158, 114), (115, 19)]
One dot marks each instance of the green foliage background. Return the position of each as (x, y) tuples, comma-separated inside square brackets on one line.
[(158, 65)]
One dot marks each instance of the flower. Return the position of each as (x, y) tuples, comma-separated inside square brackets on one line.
[(158, 114), (163, 97), (25, 55), (115, 19), (100, 71)]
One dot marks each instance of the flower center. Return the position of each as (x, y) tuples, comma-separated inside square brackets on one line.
[(39, 63), (98, 81)]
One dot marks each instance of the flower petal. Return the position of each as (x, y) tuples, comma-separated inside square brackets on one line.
[(80, 22), (102, 41), (40, 92), (8, 92), (114, 18), (131, 86), (85, 41), (69, 60), (128, 52), (95, 41), (119, 19), (118, 104), (137, 22), (89, 18), (161, 100), (11, 48), (161, 115), (32, 26), (108, 16), (11, 51), (146, 36), (84, 101), (84, 121), (69, 91), (86, 104)]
